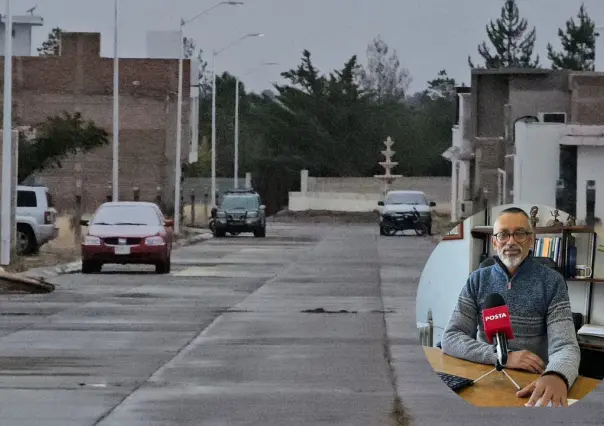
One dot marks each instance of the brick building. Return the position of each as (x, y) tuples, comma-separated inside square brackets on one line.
[(81, 80), (483, 151)]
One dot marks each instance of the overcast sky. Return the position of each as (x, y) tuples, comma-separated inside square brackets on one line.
[(428, 35)]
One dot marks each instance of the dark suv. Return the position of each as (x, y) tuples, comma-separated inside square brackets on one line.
[(239, 211)]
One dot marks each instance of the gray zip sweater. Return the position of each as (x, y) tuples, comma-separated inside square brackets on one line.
[(539, 306)]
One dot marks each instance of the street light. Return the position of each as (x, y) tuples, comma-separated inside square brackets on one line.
[(214, 54), (6, 228), (236, 156), (178, 170), (116, 116)]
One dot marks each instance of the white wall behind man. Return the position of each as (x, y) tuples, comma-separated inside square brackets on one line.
[(537, 163)]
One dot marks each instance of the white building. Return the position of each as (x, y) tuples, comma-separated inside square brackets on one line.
[(22, 30), (537, 163)]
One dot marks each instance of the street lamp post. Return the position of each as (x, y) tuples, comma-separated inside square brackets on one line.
[(214, 55), (116, 116), (177, 159), (236, 151), (6, 226)]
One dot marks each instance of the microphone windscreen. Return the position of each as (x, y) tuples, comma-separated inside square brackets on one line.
[(493, 300)]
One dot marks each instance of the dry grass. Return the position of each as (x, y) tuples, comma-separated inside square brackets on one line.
[(63, 249), (201, 218)]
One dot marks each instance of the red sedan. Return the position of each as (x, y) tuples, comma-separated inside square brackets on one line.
[(127, 232)]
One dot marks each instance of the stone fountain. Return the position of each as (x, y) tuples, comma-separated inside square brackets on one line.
[(387, 178)]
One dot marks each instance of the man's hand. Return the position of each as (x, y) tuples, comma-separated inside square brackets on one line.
[(546, 389), (525, 360)]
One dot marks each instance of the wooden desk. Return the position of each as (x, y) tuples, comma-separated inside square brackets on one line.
[(495, 390)]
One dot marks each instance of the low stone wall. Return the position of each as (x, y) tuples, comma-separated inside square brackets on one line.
[(333, 201), (436, 188)]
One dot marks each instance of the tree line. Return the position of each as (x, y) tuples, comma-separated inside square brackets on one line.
[(332, 124)]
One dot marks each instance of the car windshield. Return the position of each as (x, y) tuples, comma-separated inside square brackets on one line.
[(126, 215), (239, 202), (407, 198)]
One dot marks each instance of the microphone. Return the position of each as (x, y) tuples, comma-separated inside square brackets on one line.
[(497, 325)]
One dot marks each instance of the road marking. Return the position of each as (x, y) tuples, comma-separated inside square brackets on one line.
[(201, 271)]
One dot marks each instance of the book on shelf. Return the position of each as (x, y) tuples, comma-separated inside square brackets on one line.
[(548, 247)]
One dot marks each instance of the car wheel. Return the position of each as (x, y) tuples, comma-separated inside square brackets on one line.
[(89, 267), (26, 240), (220, 233), (163, 267), (260, 233)]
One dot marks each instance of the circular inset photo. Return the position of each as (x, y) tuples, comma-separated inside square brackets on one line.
[(510, 307)]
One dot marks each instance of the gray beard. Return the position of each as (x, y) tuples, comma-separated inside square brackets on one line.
[(510, 262)]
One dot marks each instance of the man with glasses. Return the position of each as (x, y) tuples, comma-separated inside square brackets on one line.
[(544, 334)]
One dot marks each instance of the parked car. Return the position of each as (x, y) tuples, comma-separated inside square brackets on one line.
[(127, 232), (401, 203), (239, 211), (36, 219)]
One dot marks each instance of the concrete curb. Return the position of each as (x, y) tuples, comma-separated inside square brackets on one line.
[(10, 283), (44, 273)]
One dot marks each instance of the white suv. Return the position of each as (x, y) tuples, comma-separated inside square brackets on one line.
[(36, 218)]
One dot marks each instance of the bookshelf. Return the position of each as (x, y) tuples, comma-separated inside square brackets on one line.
[(559, 244)]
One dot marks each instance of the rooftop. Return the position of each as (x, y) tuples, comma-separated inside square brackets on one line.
[(517, 71), (25, 20)]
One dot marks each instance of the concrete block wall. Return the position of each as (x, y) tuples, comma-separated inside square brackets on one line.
[(436, 188), (361, 194)]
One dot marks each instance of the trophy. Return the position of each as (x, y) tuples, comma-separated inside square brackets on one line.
[(534, 219), (554, 222)]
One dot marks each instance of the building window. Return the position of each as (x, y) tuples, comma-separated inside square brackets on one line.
[(14, 33)]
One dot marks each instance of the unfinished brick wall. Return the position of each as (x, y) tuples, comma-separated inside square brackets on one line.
[(80, 80), (587, 104)]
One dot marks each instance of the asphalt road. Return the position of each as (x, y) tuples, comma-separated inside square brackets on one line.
[(287, 330)]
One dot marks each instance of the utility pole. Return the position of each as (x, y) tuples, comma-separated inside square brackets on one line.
[(6, 227)]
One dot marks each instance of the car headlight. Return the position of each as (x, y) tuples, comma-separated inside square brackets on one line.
[(90, 240), (252, 215), (154, 241)]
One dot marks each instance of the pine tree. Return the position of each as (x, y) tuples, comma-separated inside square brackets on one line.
[(442, 86), (188, 45), (578, 44), (513, 49), (52, 45)]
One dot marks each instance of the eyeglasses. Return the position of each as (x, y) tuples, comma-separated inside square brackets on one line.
[(520, 236)]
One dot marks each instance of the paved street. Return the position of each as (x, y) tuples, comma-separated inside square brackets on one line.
[(289, 330)]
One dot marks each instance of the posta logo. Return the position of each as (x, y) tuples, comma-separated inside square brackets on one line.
[(497, 320), (495, 317)]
